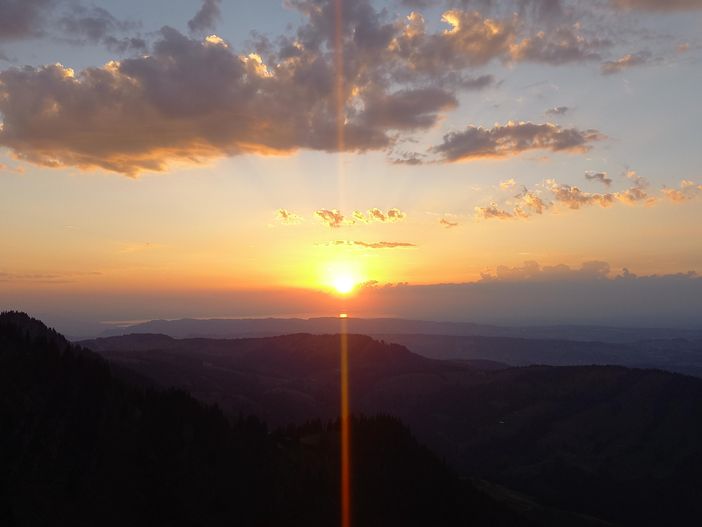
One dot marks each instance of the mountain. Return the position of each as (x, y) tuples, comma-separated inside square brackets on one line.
[(616, 443), (264, 327), (675, 355), (80, 446)]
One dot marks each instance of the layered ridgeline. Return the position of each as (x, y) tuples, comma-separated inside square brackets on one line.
[(677, 350), (81, 447), (620, 444)]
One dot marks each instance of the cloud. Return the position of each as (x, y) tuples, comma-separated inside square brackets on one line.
[(558, 110), (190, 100), (511, 139), (625, 62), (473, 40), (372, 245), (375, 214), (333, 218), (492, 211), (448, 223), (93, 24), (574, 198), (561, 46), (206, 18), (383, 245), (527, 203), (688, 190), (407, 109), (532, 271), (23, 18), (508, 184), (602, 177), (286, 217), (658, 5)]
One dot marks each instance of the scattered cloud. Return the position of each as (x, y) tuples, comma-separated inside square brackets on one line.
[(508, 184), (602, 177), (558, 111), (625, 62), (688, 190), (527, 203), (560, 46), (511, 139), (448, 223), (492, 211), (287, 217), (372, 245), (383, 245), (331, 217)]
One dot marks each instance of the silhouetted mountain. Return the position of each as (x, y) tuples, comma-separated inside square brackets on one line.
[(268, 327), (676, 355), (616, 443), (80, 447)]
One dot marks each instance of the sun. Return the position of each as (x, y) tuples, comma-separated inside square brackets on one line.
[(343, 283)]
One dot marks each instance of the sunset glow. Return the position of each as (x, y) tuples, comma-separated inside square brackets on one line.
[(363, 150)]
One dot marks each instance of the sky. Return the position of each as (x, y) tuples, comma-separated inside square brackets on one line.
[(498, 161)]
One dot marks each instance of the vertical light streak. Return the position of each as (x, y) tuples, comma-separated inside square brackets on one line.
[(345, 431), (345, 427)]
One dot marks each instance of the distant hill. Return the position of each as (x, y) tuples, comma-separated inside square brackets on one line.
[(675, 355), (264, 327), (555, 346), (80, 447), (616, 443)]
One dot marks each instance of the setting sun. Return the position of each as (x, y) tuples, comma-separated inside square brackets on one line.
[(344, 284)]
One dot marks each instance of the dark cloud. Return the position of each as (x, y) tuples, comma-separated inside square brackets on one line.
[(93, 24), (625, 62), (23, 18), (558, 110), (658, 5), (407, 109), (511, 139), (206, 18), (602, 177), (190, 100)]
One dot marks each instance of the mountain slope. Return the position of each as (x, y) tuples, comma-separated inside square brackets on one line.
[(600, 440), (80, 447)]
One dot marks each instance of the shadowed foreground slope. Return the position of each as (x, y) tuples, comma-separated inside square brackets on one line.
[(80, 447), (617, 443)]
